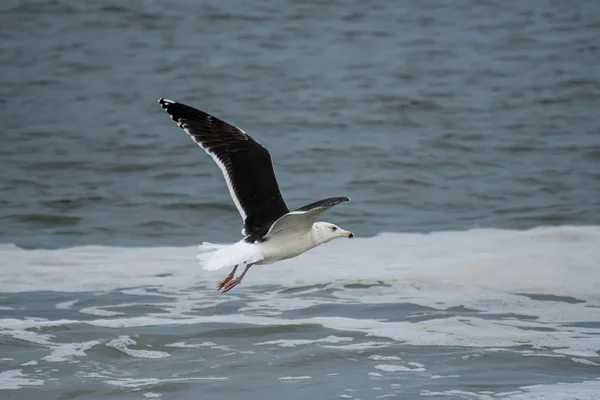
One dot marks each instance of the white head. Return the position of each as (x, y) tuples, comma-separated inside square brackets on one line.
[(324, 232)]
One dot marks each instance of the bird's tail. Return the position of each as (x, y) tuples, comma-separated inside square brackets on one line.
[(216, 256)]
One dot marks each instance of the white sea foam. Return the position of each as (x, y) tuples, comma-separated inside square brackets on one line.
[(540, 260), (66, 351), (64, 305), (415, 364), (133, 383), (99, 312), (141, 382), (93, 268), (123, 342), (376, 357), (29, 363), (298, 342), (585, 362), (398, 368), (444, 376), (492, 271), (14, 379), (457, 394), (294, 378), (587, 390), (22, 334), (451, 331), (183, 345), (359, 347)]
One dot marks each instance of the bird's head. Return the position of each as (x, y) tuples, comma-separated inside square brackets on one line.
[(326, 231)]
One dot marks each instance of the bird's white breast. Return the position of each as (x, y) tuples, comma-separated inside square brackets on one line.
[(286, 245)]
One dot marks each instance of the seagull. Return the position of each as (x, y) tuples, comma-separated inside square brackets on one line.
[(271, 231)]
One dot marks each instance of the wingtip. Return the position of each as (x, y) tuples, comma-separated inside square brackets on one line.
[(163, 102)]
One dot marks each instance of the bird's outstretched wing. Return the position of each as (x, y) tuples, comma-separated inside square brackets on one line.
[(304, 216), (245, 163)]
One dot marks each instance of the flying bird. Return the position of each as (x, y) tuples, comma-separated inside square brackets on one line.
[(271, 231)]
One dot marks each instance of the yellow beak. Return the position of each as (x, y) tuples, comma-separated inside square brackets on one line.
[(347, 234)]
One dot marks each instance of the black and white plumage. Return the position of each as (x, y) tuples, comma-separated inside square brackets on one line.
[(272, 232)]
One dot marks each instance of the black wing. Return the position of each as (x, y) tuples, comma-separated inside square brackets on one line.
[(245, 163)]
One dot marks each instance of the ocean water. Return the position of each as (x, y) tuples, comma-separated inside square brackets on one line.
[(466, 133), (478, 314)]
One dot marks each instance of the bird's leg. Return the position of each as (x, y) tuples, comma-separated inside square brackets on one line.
[(227, 278), (234, 282)]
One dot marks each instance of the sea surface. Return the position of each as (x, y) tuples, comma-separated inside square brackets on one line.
[(466, 133)]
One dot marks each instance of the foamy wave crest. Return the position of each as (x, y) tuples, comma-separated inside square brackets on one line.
[(561, 261), (483, 289)]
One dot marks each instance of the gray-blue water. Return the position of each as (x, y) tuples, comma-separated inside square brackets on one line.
[(466, 133)]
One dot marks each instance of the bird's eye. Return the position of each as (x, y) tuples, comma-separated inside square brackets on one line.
[(334, 228)]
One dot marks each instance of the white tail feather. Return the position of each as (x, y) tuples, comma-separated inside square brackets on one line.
[(217, 256)]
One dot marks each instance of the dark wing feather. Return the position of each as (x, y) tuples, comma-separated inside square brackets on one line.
[(246, 165), (305, 216), (325, 203)]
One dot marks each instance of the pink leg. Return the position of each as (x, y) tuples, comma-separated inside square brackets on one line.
[(227, 278), (234, 282)]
